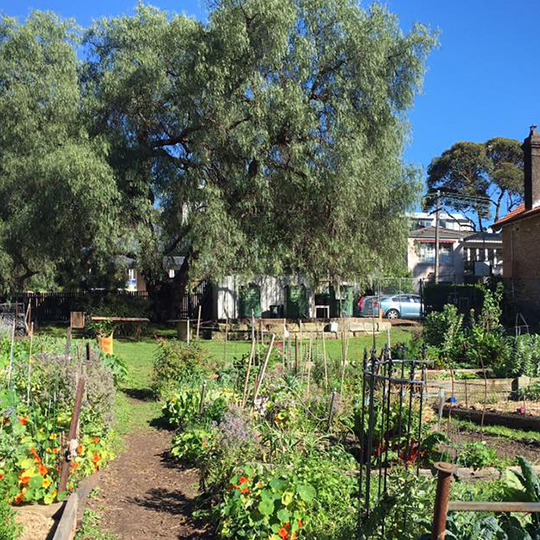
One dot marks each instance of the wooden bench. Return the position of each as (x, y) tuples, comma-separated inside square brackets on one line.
[(137, 321)]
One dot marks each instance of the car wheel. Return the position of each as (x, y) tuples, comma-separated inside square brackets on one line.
[(392, 314)]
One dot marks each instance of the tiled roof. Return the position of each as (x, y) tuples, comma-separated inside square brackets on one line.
[(516, 214)]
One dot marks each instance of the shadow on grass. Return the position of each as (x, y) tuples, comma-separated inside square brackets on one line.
[(142, 394)]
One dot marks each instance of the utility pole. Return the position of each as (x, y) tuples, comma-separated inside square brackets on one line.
[(437, 236)]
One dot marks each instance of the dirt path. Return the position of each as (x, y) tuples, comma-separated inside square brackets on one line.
[(143, 494)]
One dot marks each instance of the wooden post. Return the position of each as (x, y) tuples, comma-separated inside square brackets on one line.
[(68, 342), (72, 433), (188, 332), (444, 479), (12, 352), (199, 322)]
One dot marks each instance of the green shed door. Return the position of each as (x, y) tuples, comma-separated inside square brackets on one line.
[(347, 302), (250, 301), (297, 302)]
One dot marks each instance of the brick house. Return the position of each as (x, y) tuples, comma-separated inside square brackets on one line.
[(521, 232)]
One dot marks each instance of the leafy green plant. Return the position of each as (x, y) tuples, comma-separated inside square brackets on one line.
[(117, 365), (9, 528), (260, 503), (193, 445), (478, 455)]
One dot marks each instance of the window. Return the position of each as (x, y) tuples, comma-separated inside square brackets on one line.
[(427, 253)]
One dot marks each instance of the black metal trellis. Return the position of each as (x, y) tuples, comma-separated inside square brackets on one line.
[(390, 426)]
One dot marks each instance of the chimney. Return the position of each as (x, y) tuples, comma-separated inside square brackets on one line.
[(531, 156)]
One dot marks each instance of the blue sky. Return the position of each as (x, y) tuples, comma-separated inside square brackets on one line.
[(482, 82)]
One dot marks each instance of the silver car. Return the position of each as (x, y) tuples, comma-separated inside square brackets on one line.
[(398, 306)]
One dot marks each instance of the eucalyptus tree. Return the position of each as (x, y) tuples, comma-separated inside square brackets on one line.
[(57, 190), (480, 178), (268, 139)]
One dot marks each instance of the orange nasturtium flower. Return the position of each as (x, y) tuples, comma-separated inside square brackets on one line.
[(245, 491), (74, 465), (2, 475), (18, 498), (55, 450), (243, 479), (96, 458), (80, 449), (95, 439), (33, 451), (25, 480), (43, 470), (23, 420), (283, 532)]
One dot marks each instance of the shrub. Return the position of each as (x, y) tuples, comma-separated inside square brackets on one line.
[(444, 334), (177, 362)]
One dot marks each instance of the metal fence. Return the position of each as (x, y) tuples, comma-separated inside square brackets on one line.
[(12, 319)]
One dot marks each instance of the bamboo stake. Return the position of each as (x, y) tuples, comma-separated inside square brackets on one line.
[(263, 369), (309, 364), (344, 351), (30, 364), (248, 373), (12, 352), (325, 363)]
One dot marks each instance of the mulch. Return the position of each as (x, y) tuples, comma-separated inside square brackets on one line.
[(146, 495)]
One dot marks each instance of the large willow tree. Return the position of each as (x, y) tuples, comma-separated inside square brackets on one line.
[(269, 139), (57, 190)]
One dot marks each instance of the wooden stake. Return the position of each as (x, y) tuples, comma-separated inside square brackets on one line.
[(72, 442)]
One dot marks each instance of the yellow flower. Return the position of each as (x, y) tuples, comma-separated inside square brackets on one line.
[(53, 437), (46, 483), (48, 449)]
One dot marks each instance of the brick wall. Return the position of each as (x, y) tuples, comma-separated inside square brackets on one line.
[(521, 248)]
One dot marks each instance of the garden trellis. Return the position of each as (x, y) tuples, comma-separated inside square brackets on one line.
[(390, 431)]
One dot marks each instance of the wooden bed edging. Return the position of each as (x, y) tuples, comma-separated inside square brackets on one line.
[(65, 530), (516, 421), (73, 510)]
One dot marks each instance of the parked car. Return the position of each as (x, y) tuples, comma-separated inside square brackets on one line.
[(398, 306)]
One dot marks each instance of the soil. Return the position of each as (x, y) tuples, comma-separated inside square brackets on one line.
[(146, 495), (505, 448), (36, 526)]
